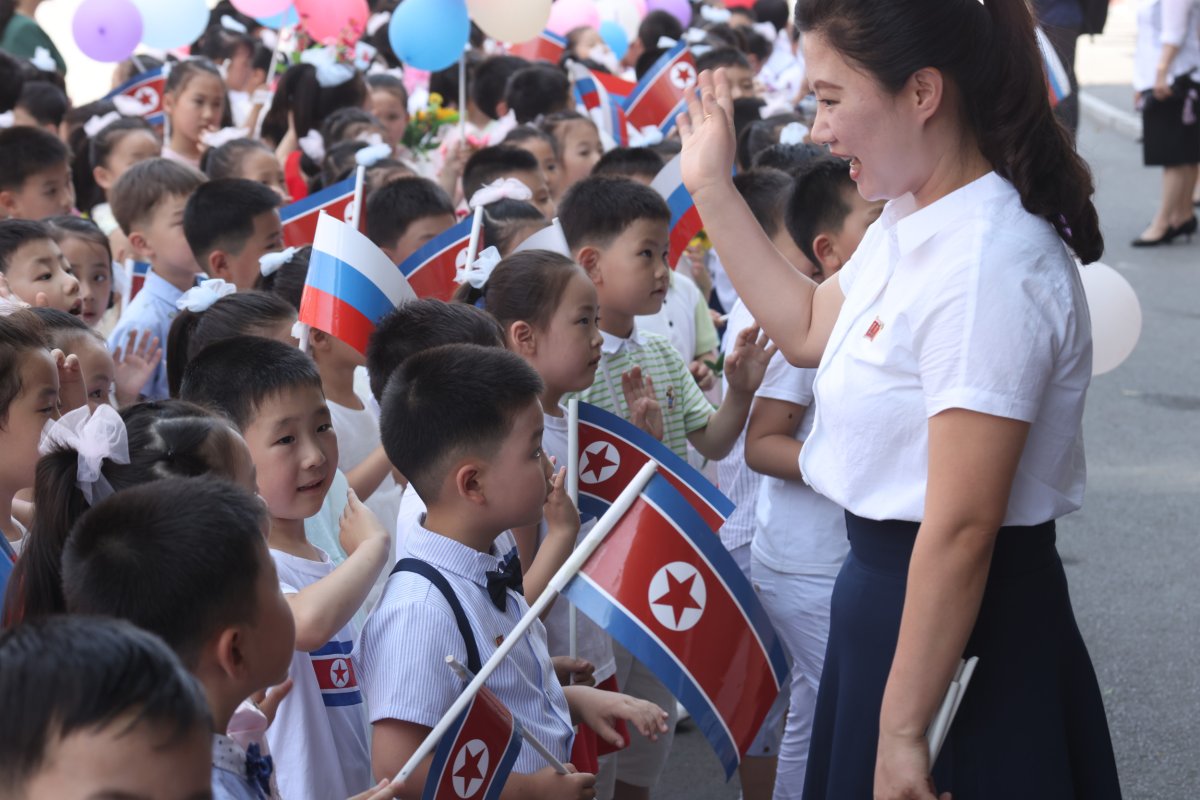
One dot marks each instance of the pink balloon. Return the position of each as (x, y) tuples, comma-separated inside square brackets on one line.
[(261, 8), (334, 20), (680, 9), (566, 15)]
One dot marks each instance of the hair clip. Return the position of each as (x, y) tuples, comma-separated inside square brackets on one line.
[(43, 60), (372, 154), (99, 122), (6, 119), (330, 72), (95, 436), (313, 145), (500, 189), (269, 263), (480, 270), (665, 43), (793, 133), (715, 15), (695, 35), (214, 139), (231, 24), (699, 50), (200, 298)]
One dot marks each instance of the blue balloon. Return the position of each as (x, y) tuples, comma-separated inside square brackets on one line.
[(429, 34), (166, 26), (280, 20), (615, 37)]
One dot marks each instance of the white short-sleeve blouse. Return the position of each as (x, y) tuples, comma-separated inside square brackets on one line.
[(973, 303)]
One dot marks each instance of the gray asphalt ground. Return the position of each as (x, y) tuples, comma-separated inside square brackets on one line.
[(1132, 553)]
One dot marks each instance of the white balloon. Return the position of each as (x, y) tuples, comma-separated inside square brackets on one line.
[(622, 12), (1116, 316)]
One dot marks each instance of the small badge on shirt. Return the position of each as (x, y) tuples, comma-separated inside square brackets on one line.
[(670, 398), (874, 329), (499, 639)]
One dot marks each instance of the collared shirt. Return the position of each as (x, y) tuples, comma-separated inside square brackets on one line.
[(229, 781), (1163, 22), (684, 406), (683, 319), (403, 648), (152, 310), (734, 477), (973, 303)]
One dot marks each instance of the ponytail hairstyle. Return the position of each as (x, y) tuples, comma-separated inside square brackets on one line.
[(87, 153), (989, 52), (287, 282), (183, 71), (241, 314), (167, 438), (299, 95), (525, 287), (226, 161), (504, 222)]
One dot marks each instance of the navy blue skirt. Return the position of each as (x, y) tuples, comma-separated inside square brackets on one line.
[(1032, 722)]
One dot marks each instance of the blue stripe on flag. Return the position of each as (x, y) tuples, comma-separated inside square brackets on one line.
[(441, 755), (341, 280), (333, 648), (669, 125), (141, 77), (341, 699), (500, 776), (317, 200), (436, 245), (654, 73), (680, 202), (686, 519)]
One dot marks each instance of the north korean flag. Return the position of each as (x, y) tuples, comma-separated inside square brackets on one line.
[(350, 284), (335, 674), (431, 270), (476, 754), (662, 91), (593, 99), (546, 46), (667, 589), (611, 451), (685, 218), (300, 218), (148, 89), (618, 89)]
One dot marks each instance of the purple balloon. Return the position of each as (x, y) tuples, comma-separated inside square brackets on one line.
[(679, 9), (107, 30)]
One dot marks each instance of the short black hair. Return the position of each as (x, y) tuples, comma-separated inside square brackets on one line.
[(25, 151), (43, 101), (490, 163), (226, 161), (721, 57), (422, 325), (772, 11), (629, 161), (15, 233), (235, 376), (490, 81), (337, 125), (756, 44), (525, 133), (221, 212), (432, 410), (767, 192), (819, 202), (145, 185), (600, 208), (656, 25), (66, 674), (536, 90), (788, 157), (394, 206), (178, 557)]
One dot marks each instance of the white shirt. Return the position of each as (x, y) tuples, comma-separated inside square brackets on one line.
[(738, 482), (796, 530), (676, 320), (971, 303), (1163, 22), (358, 437)]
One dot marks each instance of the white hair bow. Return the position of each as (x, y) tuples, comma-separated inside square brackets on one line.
[(6, 120), (98, 123), (330, 72), (95, 436), (665, 43), (43, 60), (130, 106), (766, 30), (313, 145), (372, 154), (269, 263), (231, 24), (793, 133), (377, 21), (200, 298), (695, 35), (715, 15), (480, 271), (500, 189), (647, 136), (215, 139)]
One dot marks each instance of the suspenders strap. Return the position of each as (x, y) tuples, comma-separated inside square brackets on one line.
[(431, 574)]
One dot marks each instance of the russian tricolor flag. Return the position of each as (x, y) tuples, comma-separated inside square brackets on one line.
[(148, 89), (300, 218), (667, 589), (685, 217), (546, 46), (661, 93), (136, 272), (476, 755), (593, 99), (431, 270), (1058, 81), (350, 285), (611, 451), (618, 88)]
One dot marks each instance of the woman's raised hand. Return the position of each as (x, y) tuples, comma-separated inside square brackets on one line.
[(706, 129)]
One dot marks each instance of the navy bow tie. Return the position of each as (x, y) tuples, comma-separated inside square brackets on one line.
[(505, 578), (259, 769)]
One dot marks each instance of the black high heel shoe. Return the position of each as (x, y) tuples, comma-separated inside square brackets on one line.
[(1186, 229), (1168, 236)]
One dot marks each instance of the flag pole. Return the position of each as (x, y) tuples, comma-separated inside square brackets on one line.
[(462, 97), (476, 229), (360, 179), (573, 493), (529, 738), (565, 573), (940, 726)]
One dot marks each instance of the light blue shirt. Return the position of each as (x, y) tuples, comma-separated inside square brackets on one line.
[(402, 650), (152, 310)]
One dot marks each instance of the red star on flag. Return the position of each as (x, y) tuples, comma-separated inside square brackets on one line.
[(596, 463), (678, 595), (470, 771)]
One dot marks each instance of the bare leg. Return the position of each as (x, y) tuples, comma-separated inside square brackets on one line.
[(1176, 182)]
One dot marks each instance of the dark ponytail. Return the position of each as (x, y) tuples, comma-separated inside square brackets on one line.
[(525, 287), (308, 102), (989, 52)]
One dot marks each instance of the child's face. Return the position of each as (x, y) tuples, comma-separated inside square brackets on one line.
[(38, 268), (295, 451), (537, 183), (196, 107), (91, 267), (516, 480), (631, 274), (164, 244), (544, 153), (389, 109), (21, 429), (127, 758), (581, 149), (271, 639), (132, 148), (46, 193), (741, 82), (241, 268), (239, 70), (567, 351), (845, 241), (96, 364), (419, 231), (261, 166)]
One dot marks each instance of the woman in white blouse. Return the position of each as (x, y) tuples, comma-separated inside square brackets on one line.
[(954, 356)]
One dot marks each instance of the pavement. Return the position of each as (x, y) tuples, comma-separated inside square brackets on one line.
[(1132, 553)]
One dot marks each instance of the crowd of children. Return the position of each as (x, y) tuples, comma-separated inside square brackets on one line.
[(175, 463)]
